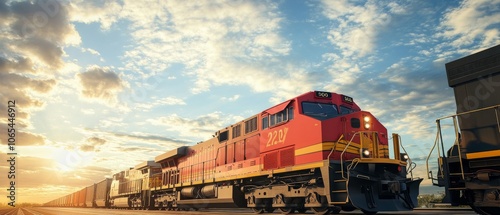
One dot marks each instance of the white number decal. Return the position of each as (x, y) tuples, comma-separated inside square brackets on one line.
[(324, 95)]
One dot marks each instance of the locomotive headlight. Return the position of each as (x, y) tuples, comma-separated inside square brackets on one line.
[(365, 153), (404, 157), (367, 122)]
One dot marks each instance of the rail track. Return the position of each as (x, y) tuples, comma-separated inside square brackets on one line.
[(94, 211)]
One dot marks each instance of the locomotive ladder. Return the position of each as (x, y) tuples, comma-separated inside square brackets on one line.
[(339, 186)]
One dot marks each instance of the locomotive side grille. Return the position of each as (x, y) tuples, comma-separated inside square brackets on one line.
[(287, 157), (271, 160), (484, 162)]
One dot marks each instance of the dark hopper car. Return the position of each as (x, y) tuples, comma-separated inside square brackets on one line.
[(470, 169)]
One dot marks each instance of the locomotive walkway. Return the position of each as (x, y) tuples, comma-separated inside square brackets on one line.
[(94, 211)]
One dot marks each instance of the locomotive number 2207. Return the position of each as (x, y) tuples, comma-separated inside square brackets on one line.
[(277, 136)]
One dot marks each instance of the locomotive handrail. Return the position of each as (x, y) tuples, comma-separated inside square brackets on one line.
[(334, 146), (439, 138), (411, 165), (342, 155), (472, 111), (432, 149), (347, 146)]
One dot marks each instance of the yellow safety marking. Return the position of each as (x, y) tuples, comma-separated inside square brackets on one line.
[(353, 148), (382, 160), (485, 154)]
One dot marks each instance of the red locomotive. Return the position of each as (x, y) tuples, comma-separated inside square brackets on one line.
[(317, 151)]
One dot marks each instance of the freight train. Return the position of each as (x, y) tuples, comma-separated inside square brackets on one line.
[(470, 169), (318, 151)]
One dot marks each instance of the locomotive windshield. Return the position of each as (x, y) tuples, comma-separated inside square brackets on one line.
[(345, 110), (320, 111)]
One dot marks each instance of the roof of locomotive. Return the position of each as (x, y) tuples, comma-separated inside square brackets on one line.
[(178, 152), (146, 164), (314, 95)]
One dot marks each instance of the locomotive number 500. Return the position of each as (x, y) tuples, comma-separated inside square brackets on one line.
[(276, 137)]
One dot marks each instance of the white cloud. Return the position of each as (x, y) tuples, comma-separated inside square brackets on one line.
[(106, 12), (32, 41), (231, 99), (88, 111), (91, 51), (356, 27), (101, 84), (201, 127), (396, 8), (160, 102), (354, 34), (202, 36), (470, 21)]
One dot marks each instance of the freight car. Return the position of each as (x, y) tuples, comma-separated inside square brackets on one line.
[(470, 169), (318, 151), (96, 195)]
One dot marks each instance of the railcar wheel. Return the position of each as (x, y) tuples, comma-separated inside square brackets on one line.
[(258, 210), (286, 210), (485, 210), (348, 208), (369, 212), (335, 210)]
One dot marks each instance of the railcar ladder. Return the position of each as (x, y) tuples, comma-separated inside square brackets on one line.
[(443, 159)]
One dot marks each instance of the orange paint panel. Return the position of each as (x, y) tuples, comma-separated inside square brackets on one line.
[(252, 147), (239, 151), (230, 153)]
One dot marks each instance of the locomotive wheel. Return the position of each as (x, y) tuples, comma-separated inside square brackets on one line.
[(269, 210), (286, 210), (258, 210), (320, 211), (301, 210), (485, 210)]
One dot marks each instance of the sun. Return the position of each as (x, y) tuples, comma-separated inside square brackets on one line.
[(67, 161)]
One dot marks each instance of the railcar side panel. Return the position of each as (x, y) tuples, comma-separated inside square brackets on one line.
[(102, 193), (90, 195)]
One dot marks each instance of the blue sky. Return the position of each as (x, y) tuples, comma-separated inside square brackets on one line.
[(102, 86)]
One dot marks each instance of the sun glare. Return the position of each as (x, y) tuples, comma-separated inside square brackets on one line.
[(67, 161)]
